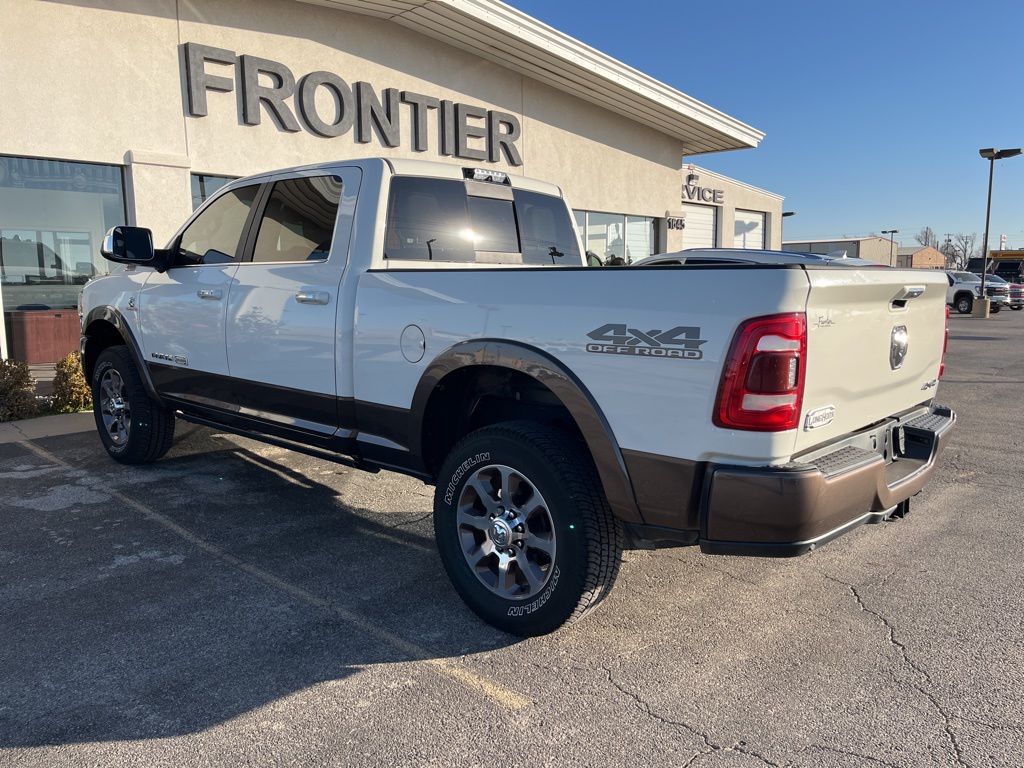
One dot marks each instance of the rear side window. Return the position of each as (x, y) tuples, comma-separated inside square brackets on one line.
[(436, 220), (298, 220), (428, 220), (212, 237), (546, 229)]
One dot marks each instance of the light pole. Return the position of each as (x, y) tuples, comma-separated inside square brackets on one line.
[(991, 155), (890, 233), (785, 215)]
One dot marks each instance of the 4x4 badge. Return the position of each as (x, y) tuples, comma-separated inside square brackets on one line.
[(681, 343)]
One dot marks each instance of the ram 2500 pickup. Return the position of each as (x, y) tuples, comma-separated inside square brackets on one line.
[(442, 322)]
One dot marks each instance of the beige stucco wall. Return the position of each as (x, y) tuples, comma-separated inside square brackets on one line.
[(878, 249), (111, 90)]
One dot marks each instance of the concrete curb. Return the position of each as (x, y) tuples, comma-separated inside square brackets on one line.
[(46, 426)]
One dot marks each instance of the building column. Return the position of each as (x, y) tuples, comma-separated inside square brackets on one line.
[(158, 192)]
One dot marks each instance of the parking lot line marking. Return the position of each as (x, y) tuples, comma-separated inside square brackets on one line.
[(468, 679)]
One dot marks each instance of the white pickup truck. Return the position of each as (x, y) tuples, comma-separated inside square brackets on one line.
[(442, 322)]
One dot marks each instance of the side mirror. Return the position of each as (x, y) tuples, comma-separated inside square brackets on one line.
[(129, 245), (593, 260)]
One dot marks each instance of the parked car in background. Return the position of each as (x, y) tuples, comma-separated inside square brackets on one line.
[(1016, 296), (964, 288), (997, 290), (704, 256)]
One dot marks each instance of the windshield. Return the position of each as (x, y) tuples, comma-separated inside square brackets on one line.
[(995, 279), (967, 277)]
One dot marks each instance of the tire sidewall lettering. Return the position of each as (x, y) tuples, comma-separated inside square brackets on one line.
[(536, 605), (460, 472)]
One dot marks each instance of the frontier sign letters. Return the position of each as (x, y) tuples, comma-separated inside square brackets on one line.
[(457, 129)]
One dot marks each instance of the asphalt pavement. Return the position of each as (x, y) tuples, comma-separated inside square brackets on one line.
[(237, 604)]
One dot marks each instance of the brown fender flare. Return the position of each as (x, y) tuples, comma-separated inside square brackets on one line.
[(611, 467), (112, 316)]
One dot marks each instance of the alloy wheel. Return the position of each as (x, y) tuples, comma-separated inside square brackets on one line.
[(506, 532), (114, 408)]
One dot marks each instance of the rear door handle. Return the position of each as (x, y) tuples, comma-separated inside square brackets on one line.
[(312, 297), (213, 294)]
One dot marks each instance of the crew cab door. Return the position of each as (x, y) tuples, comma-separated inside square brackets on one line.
[(283, 305), (182, 311)]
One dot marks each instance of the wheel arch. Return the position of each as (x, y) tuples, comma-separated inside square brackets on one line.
[(105, 327), (469, 357)]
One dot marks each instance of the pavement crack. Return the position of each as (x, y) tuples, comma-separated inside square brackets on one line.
[(710, 745), (413, 522), (924, 682), (851, 753)]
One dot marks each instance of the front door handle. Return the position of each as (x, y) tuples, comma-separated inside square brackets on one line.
[(213, 294), (312, 297)]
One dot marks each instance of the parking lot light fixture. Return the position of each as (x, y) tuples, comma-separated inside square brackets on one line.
[(991, 154), (890, 233)]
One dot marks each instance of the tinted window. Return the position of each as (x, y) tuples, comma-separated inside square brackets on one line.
[(213, 237), (545, 229), (428, 219), (493, 224), (298, 221), (436, 219)]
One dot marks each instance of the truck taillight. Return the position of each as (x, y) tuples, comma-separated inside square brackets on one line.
[(945, 345), (762, 385)]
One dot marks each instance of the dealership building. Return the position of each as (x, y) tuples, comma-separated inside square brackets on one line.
[(135, 111)]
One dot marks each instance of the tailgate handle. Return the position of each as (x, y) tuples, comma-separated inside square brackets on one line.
[(907, 292)]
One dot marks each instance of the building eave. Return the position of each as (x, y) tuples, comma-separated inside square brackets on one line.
[(519, 42)]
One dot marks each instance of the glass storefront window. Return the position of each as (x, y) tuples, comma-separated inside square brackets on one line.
[(53, 216), (616, 238), (204, 186), (639, 237)]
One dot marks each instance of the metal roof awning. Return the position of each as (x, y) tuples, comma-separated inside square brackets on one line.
[(517, 41)]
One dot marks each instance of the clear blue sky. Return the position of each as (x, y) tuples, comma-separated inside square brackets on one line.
[(874, 111)]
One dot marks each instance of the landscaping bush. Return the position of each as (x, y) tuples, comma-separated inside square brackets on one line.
[(71, 392), (17, 392)]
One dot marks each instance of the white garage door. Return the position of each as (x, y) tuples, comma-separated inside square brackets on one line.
[(701, 225), (749, 230)]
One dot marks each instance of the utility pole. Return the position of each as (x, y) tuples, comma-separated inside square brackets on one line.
[(948, 246)]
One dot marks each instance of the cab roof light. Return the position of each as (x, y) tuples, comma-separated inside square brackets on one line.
[(486, 174)]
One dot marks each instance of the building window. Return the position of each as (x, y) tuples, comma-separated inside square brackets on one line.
[(616, 238), (204, 186), (53, 216)]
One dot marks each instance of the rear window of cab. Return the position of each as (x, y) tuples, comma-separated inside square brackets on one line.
[(475, 222)]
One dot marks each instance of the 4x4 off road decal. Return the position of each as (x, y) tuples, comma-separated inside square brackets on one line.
[(680, 343)]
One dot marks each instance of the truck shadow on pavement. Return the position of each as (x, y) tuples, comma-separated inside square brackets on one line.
[(151, 602)]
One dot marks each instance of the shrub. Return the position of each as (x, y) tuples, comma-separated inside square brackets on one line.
[(71, 393), (17, 391)]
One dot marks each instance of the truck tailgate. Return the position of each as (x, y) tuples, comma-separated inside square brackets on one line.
[(858, 320)]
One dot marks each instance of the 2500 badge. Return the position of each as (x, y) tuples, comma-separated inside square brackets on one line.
[(680, 343)]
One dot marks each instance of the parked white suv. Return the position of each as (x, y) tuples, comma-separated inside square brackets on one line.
[(441, 322)]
